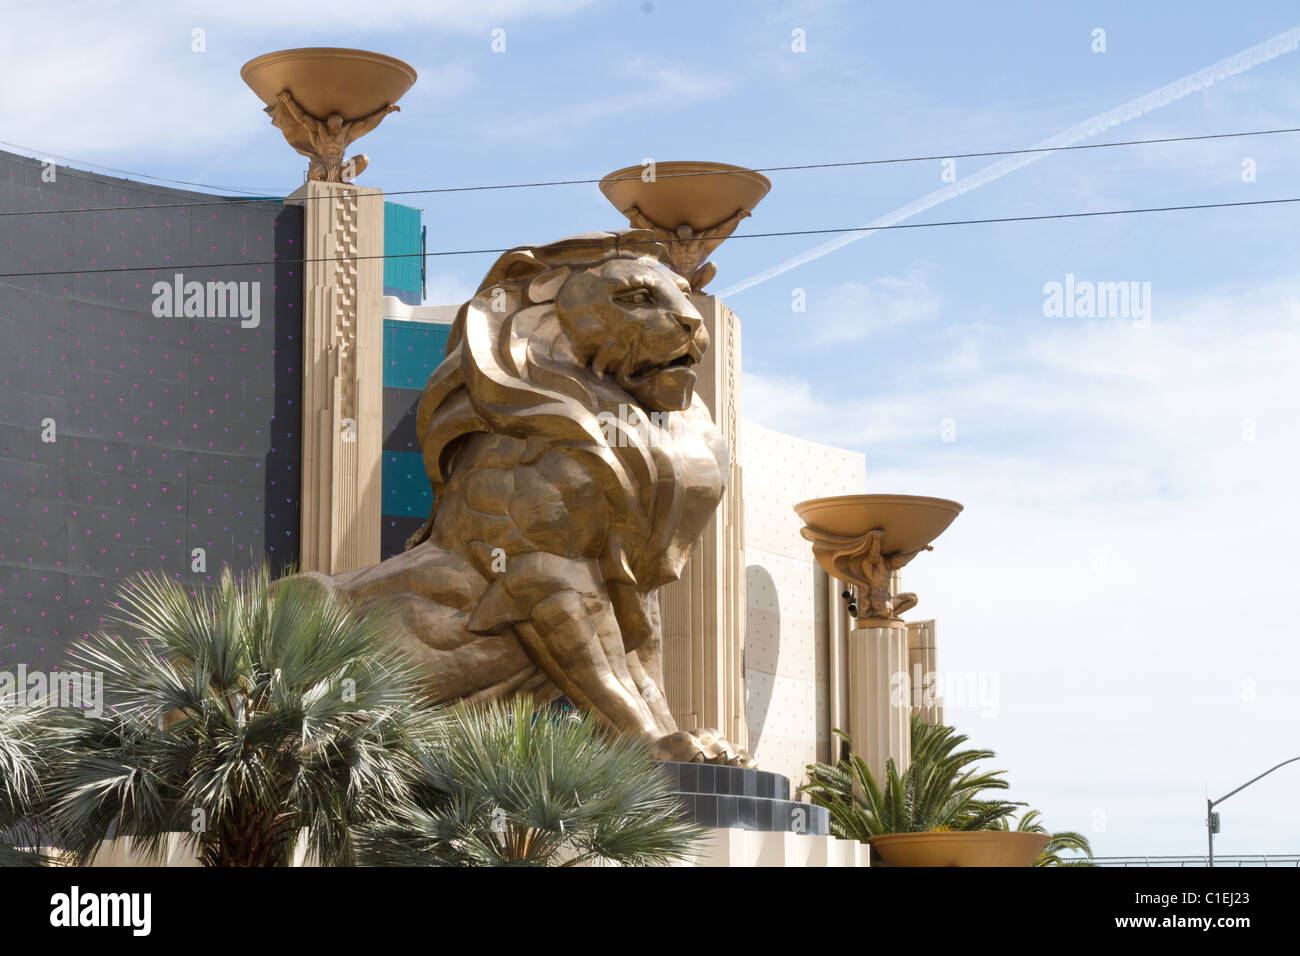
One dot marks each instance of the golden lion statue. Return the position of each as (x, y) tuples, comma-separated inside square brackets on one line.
[(573, 467)]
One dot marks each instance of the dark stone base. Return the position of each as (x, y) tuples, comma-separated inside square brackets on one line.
[(738, 798)]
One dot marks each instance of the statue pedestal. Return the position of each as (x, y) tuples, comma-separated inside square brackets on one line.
[(743, 798), (879, 705)]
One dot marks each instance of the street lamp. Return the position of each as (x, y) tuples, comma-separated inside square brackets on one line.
[(1212, 818)]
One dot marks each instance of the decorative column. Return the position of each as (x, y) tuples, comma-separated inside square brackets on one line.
[(323, 99), (342, 380), (703, 613), (879, 705), (923, 664), (864, 540)]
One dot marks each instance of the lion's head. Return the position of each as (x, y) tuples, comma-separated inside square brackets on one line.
[(630, 318), (561, 340)]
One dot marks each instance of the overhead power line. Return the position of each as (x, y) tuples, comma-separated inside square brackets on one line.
[(175, 267), (436, 190)]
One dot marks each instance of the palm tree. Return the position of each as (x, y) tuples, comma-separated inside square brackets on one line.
[(241, 716), (20, 788), (938, 791), (510, 784), (1060, 843)]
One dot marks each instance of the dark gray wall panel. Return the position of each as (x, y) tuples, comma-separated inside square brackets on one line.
[(173, 433)]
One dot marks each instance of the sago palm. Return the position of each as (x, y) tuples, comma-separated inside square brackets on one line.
[(242, 716), (510, 784), (1066, 841), (940, 790)]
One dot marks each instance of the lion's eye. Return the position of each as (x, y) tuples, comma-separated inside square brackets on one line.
[(640, 296)]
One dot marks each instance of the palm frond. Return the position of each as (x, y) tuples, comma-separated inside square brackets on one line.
[(243, 714), (508, 784), (939, 790), (21, 767)]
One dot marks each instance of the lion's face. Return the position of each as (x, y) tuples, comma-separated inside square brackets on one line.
[(631, 318)]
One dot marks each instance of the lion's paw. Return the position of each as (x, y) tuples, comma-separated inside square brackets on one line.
[(703, 745)]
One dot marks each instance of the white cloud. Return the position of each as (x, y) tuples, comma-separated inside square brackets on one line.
[(641, 85), (853, 311), (787, 403), (446, 289), (88, 80), (448, 15)]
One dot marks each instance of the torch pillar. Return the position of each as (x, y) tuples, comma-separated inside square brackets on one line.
[(342, 375), (879, 702), (864, 540)]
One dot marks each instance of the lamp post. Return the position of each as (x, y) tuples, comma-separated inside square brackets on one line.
[(1211, 818)]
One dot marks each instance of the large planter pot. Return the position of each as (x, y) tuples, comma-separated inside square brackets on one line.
[(960, 848)]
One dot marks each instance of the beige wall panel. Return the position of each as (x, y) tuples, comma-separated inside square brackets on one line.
[(792, 698)]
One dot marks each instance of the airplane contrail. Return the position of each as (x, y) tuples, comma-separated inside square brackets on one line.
[(1240, 63)]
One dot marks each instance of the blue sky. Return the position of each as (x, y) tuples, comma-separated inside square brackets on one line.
[(1126, 560)]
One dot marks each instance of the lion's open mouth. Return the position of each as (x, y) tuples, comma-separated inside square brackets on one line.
[(670, 377), (685, 357)]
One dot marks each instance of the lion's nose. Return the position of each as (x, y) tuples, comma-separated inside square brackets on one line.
[(690, 321), (693, 323)]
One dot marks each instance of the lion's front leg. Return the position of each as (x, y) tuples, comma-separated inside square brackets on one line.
[(639, 622), (569, 640), (647, 674), (561, 613), (645, 663)]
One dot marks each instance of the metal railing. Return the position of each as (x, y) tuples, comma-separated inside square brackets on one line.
[(1244, 859)]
